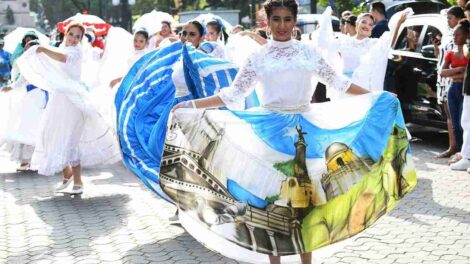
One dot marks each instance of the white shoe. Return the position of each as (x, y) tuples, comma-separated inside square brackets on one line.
[(461, 165), (77, 189), (63, 185), (468, 170)]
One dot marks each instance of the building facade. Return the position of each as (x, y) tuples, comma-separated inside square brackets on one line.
[(15, 13)]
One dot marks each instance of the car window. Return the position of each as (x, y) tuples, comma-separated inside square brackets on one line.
[(432, 33), (408, 39)]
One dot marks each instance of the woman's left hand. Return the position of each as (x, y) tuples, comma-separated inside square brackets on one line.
[(185, 104)]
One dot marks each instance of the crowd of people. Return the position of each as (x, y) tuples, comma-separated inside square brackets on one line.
[(150, 83)]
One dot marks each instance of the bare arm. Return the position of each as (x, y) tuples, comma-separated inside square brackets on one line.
[(52, 54), (397, 28), (356, 90)]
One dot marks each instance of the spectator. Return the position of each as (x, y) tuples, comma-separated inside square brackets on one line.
[(462, 3), (454, 14), (342, 21), (377, 10), (350, 25), (5, 66), (467, 11)]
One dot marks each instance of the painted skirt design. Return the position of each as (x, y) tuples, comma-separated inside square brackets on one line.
[(284, 184)]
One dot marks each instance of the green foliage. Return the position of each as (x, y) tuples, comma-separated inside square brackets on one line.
[(272, 199), (286, 167), (341, 5), (452, 2), (10, 16)]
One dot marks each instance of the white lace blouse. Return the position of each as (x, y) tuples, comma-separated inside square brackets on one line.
[(284, 70), (351, 50)]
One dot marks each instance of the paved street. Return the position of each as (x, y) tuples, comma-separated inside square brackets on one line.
[(117, 220)]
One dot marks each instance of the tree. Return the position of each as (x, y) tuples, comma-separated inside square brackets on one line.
[(10, 16)]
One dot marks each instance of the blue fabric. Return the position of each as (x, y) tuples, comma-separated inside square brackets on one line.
[(31, 87), (275, 130), (272, 128), (145, 98), (243, 195), (5, 66), (455, 101)]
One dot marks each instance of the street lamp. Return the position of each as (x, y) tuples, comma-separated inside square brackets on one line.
[(126, 13)]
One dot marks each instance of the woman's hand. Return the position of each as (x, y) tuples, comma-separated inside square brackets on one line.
[(40, 49), (185, 104)]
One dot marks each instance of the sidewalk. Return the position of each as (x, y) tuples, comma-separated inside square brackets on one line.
[(118, 220)]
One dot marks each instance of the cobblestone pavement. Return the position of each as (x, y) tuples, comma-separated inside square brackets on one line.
[(118, 220)]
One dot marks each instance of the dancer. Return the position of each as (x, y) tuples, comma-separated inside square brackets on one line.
[(72, 133), (141, 40), (283, 191), (23, 130)]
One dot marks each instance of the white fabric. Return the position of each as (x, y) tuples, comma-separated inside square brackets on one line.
[(465, 152), (351, 50), (71, 132), (14, 38), (285, 71), (238, 49), (152, 22), (178, 79)]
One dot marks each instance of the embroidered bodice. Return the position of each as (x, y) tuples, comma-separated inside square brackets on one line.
[(284, 70), (73, 63), (351, 50)]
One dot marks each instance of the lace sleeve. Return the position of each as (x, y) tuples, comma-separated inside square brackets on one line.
[(327, 75), (242, 86)]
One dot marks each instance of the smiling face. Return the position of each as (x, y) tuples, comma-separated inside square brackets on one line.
[(364, 26), (282, 22), (139, 42), (73, 37)]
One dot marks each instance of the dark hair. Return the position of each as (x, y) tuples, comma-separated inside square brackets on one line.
[(456, 11), (351, 20), (379, 7), (33, 42), (30, 35), (198, 26), (467, 7), (218, 27), (167, 23), (262, 33), (143, 32), (270, 5), (464, 25)]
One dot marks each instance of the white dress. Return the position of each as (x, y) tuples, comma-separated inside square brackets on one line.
[(351, 50), (230, 172), (72, 132), (23, 135)]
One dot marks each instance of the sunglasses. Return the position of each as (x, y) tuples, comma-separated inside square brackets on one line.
[(191, 34)]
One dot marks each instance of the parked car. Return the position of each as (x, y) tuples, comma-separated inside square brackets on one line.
[(309, 22), (419, 6), (412, 69)]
